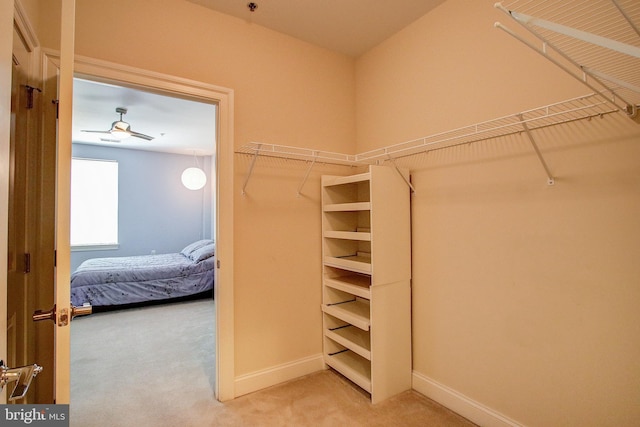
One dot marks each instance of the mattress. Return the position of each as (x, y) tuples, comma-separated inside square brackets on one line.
[(135, 279)]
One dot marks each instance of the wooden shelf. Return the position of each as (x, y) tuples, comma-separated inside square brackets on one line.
[(353, 338), (354, 284), (357, 263), (348, 207), (349, 235), (367, 314), (354, 312), (353, 367), (350, 179)]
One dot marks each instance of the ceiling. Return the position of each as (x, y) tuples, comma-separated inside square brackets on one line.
[(347, 26), (177, 125), (188, 127)]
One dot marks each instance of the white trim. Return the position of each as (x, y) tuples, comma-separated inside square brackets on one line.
[(25, 28), (460, 404), (264, 378), (97, 68)]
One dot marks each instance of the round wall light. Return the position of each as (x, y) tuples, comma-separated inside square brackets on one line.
[(194, 178)]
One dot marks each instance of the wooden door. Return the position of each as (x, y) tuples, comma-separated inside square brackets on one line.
[(19, 325), (40, 224)]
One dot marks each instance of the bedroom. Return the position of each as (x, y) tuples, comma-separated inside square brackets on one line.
[(150, 211), (152, 261)]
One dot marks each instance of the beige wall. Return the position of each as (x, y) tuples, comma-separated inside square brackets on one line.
[(524, 295), (44, 16), (286, 92)]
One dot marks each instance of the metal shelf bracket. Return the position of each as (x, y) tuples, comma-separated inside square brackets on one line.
[(404, 178), (550, 180), (306, 176), (250, 171)]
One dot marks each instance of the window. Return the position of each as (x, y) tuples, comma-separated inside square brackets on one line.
[(94, 204)]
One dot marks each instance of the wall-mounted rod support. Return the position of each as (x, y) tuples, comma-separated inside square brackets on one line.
[(550, 180), (393, 162), (250, 171), (306, 176)]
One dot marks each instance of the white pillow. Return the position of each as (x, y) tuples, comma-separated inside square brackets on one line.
[(188, 250), (203, 253)]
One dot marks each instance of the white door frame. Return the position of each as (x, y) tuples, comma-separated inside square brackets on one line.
[(223, 290)]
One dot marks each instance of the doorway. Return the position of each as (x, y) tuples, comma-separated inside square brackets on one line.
[(223, 213), (152, 317)]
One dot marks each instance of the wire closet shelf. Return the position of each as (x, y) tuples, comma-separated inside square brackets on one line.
[(579, 108), (595, 41)]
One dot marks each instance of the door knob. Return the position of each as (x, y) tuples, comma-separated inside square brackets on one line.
[(22, 376), (83, 310)]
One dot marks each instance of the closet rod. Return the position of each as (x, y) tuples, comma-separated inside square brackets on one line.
[(256, 149), (579, 108), (573, 109), (297, 153)]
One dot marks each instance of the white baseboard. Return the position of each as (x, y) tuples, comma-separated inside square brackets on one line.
[(258, 380), (460, 404)]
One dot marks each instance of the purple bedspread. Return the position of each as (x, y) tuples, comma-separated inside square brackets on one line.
[(124, 280)]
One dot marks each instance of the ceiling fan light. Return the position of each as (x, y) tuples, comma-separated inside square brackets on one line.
[(120, 134), (194, 178)]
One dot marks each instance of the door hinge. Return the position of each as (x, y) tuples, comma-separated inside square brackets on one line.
[(57, 104), (27, 263), (218, 263), (30, 90)]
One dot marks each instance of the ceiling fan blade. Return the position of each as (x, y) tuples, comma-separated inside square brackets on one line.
[(96, 131), (120, 129), (110, 140), (140, 135)]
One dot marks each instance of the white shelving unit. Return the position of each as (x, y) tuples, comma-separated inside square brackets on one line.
[(366, 290)]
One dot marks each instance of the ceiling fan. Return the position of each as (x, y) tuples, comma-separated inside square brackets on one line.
[(120, 130)]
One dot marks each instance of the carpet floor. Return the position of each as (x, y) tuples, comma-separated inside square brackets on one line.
[(154, 366)]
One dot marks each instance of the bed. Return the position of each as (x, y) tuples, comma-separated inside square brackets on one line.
[(121, 281)]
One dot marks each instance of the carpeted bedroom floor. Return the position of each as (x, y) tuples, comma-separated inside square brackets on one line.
[(154, 366)]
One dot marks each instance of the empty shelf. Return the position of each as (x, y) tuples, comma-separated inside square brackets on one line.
[(357, 263), (350, 235), (355, 284), (339, 180), (353, 338), (354, 312), (353, 367), (348, 207)]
